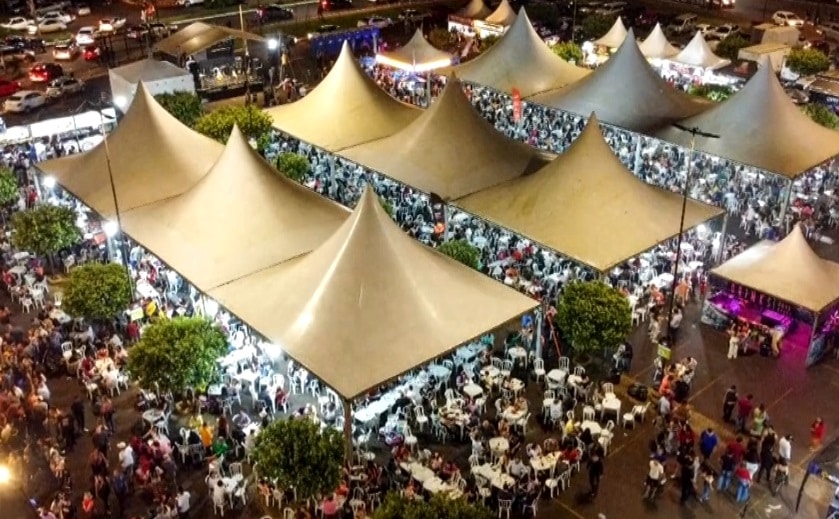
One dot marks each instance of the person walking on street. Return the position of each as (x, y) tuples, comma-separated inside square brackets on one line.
[(686, 476), (729, 402), (785, 448), (595, 472), (707, 443), (744, 482), (77, 410), (707, 483), (744, 411), (727, 465), (817, 431)]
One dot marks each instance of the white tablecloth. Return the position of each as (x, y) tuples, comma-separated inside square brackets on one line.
[(612, 405), (557, 375), (472, 390), (18, 270), (517, 352), (237, 355), (593, 427), (543, 463), (418, 471), (496, 478), (512, 414), (439, 371), (153, 415), (248, 376), (499, 445)]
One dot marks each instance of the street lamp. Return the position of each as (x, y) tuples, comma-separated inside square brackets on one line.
[(120, 101), (49, 182), (5, 475), (273, 44), (693, 131)]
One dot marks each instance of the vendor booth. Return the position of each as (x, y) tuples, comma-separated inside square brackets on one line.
[(497, 23), (415, 57), (462, 20), (159, 77), (656, 47), (777, 297), (598, 51), (694, 64)]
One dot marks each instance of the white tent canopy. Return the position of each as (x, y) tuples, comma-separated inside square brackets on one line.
[(698, 54), (626, 92), (788, 270), (242, 217), (761, 127), (370, 304), (503, 15), (450, 150), (587, 206), (416, 56), (475, 9), (656, 45), (346, 109), (615, 37), (151, 156), (521, 60)]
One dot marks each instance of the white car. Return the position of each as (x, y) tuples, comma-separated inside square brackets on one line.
[(611, 9), (24, 101), (111, 24), (375, 21), (63, 86), (704, 28), (787, 18), (724, 31), (189, 3), (18, 23), (47, 26), (61, 16), (65, 52), (83, 10), (86, 35)]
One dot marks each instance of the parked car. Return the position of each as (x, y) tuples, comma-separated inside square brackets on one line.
[(374, 21), (65, 51), (335, 5), (590, 7), (412, 15), (86, 35), (724, 31), (27, 46), (273, 13), (8, 88), (189, 3), (18, 23), (323, 29), (64, 86), (830, 30), (683, 24), (92, 52), (111, 24), (787, 18), (47, 26), (612, 9), (704, 28), (24, 101), (44, 72), (61, 16), (83, 10)]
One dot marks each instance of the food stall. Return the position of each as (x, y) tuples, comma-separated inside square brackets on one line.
[(783, 296), (416, 57)]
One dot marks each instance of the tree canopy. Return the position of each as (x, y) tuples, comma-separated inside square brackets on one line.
[(807, 62), (218, 124), (569, 51), (593, 316), (9, 189), (45, 229), (297, 453), (462, 251), (292, 165), (396, 506), (185, 106), (596, 25), (716, 93), (729, 47), (176, 354), (821, 114), (97, 291)]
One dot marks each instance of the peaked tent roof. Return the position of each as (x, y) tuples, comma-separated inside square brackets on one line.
[(761, 127), (586, 205), (522, 60), (503, 15), (450, 150), (697, 53), (656, 45), (152, 156), (346, 109), (416, 55), (788, 270), (198, 36), (242, 217), (615, 37), (476, 9), (646, 102), (149, 70), (373, 298)]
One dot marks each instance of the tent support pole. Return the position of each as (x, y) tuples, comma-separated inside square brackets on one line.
[(348, 449), (784, 208), (719, 255), (537, 331), (428, 89), (639, 143)]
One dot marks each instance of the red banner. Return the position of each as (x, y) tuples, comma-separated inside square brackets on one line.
[(516, 105)]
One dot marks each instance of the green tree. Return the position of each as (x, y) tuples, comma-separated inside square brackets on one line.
[(45, 229), (218, 124), (387, 206), (462, 251), (487, 43), (569, 51), (396, 506), (440, 38), (717, 93), (729, 47), (593, 316), (9, 190), (296, 453), (176, 354), (97, 291), (185, 106), (807, 62), (292, 165), (595, 26), (822, 115)]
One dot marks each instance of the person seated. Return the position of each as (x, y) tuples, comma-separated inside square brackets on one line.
[(401, 453), (330, 413), (329, 506), (518, 469), (586, 437), (449, 471), (533, 450), (242, 420), (503, 428)]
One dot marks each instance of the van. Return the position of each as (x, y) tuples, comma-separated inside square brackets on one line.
[(683, 24), (830, 29)]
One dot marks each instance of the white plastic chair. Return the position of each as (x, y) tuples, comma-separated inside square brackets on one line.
[(539, 369), (419, 416), (588, 414)]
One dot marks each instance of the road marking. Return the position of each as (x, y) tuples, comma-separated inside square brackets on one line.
[(786, 394), (571, 510), (705, 387)]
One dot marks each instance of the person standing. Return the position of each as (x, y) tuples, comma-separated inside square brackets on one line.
[(707, 483), (744, 410), (729, 402), (595, 472), (733, 346), (707, 443), (77, 410), (744, 482), (785, 448), (183, 503), (817, 431), (686, 476), (727, 465), (119, 484)]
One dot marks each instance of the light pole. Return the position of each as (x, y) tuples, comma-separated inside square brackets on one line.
[(694, 132)]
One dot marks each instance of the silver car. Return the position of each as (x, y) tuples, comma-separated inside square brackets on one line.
[(64, 86)]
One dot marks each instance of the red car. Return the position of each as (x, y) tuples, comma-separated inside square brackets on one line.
[(92, 52), (8, 88), (45, 72)]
